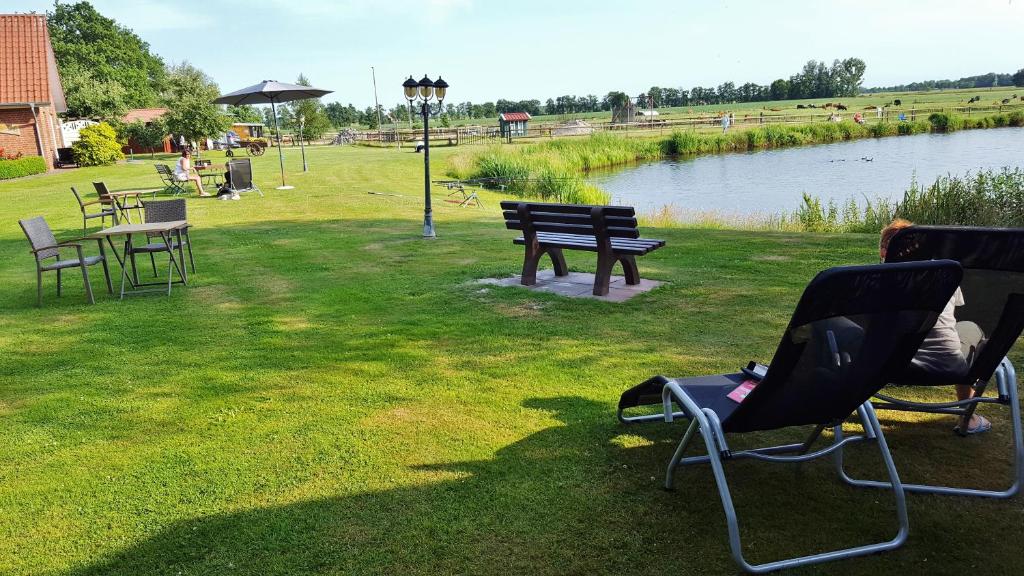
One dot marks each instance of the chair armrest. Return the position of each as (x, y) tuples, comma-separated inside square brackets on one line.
[(58, 246)]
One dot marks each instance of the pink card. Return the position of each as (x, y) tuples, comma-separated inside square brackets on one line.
[(740, 392)]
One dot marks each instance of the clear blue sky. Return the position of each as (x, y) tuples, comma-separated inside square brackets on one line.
[(488, 49)]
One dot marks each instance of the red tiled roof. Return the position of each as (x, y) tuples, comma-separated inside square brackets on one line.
[(514, 116), (28, 69), (143, 114)]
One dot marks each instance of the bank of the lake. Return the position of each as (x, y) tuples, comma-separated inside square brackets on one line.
[(556, 169)]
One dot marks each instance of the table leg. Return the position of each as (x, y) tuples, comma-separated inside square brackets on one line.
[(124, 268), (181, 256), (172, 261)]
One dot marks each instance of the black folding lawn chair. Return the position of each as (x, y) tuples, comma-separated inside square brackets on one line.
[(993, 291), (851, 329), (240, 176)]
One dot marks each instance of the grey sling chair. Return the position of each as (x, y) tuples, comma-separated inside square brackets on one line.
[(852, 327), (993, 291), (240, 176), (45, 247), (165, 211)]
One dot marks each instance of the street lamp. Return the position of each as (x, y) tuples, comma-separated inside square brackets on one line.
[(424, 91), (302, 141)]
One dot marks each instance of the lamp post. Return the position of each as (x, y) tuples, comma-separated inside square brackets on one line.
[(423, 91), (302, 141)]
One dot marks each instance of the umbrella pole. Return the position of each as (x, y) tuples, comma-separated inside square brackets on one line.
[(280, 151)]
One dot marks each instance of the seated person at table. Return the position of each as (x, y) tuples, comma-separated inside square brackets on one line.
[(183, 172), (948, 348)]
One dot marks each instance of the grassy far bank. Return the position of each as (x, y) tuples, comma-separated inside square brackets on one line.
[(331, 395), (923, 99), (555, 169)]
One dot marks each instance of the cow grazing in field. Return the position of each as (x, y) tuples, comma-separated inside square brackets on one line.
[(800, 107), (1006, 100), (897, 102), (811, 106), (841, 107), (826, 105)]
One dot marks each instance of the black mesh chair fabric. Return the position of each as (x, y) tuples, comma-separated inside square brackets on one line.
[(992, 286), (241, 175), (852, 329)]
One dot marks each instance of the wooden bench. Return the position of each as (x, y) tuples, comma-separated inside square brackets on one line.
[(611, 231)]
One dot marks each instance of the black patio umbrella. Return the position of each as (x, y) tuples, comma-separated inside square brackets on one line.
[(272, 92)]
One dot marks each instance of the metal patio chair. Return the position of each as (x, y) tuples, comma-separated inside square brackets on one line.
[(46, 251), (169, 182), (107, 210), (852, 327), (993, 290)]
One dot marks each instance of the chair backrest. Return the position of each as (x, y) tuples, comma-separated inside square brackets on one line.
[(853, 328), (608, 221), (79, 198), (240, 171), (40, 237), (101, 190), (164, 171), (164, 210), (65, 155), (993, 284)]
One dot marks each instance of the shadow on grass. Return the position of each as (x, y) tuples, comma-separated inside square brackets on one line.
[(571, 498)]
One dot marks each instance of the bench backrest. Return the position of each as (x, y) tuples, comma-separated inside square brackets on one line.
[(601, 222)]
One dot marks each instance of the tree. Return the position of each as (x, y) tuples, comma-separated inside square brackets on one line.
[(145, 134), (189, 96), (315, 122), (245, 113), (1018, 77), (105, 67), (88, 97), (848, 76), (779, 90)]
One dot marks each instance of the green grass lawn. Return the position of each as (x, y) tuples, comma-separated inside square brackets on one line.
[(333, 395)]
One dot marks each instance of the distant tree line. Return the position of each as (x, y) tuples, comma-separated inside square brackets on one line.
[(990, 80)]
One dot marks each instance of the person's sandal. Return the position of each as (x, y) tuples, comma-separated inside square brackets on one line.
[(982, 426)]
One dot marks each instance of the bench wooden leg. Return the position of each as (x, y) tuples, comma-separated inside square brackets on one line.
[(530, 262), (603, 276), (558, 260), (629, 270)]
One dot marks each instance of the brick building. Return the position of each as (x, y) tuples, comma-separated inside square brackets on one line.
[(31, 94), (146, 115)]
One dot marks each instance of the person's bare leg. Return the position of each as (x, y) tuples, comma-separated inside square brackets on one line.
[(199, 184), (964, 392)]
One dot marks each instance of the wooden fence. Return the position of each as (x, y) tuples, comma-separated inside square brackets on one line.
[(462, 135)]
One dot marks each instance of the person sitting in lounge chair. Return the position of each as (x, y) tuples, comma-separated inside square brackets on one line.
[(948, 347), (183, 172)]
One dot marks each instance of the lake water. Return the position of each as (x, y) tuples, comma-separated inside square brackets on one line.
[(772, 181)]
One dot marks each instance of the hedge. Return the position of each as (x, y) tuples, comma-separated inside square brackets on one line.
[(22, 167)]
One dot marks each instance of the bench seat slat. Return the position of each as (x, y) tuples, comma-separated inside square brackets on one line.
[(636, 247)]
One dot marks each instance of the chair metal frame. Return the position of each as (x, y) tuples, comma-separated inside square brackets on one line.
[(706, 423), (169, 181), (102, 214), (1006, 385)]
